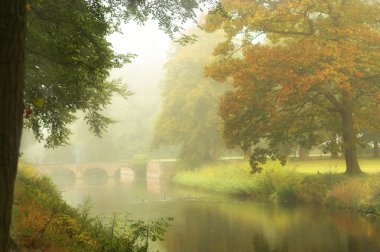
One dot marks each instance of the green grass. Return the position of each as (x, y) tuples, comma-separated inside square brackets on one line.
[(233, 178), (313, 181), (331, 166)]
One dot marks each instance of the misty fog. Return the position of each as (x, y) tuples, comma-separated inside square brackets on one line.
[(134, 117), (262, 135)]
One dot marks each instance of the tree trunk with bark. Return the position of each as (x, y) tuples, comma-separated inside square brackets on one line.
[(349, 137), (12, 44), (303, 153)]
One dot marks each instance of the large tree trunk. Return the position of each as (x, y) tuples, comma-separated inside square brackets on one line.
[(303, 153), (349, 140), (12, 44)]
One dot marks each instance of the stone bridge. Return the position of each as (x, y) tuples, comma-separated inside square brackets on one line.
[(81, 170), (154, 169)]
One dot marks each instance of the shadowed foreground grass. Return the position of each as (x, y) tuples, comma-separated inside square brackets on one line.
[(317, 182)]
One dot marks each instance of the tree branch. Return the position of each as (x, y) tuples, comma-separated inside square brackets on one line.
[(296, 33), (339, 107)]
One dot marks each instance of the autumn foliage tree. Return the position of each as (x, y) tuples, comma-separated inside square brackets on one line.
[(298, 67)]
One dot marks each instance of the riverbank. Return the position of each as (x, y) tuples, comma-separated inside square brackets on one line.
[(43, 221), (318, 182)]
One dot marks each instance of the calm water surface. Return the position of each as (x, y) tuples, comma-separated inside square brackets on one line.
[(205, 222)]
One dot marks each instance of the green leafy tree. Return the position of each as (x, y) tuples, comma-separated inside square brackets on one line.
[(13, 30), (318, 68), (67, 63), (189, 117)]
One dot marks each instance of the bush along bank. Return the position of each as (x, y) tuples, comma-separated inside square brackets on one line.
[(286, 184), (43, 221)]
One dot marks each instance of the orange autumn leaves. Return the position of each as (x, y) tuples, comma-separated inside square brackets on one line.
[(299, 68), (292, 70), (327, 47)]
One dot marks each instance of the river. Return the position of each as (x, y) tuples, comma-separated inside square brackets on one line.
[(206, 222)]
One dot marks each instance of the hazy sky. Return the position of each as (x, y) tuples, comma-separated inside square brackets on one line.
[(141, 40)]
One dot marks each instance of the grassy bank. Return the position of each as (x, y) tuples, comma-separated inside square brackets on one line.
[(42, 221), (316, 182)]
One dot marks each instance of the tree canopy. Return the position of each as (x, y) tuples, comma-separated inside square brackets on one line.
[(67, 66), (189, 115), (298, 67)]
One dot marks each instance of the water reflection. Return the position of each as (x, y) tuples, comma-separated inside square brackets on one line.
[(95, 176), (64, 182), (259, 227), (63, 178), (204, 222)]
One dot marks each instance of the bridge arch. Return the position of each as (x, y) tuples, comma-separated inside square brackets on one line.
[(155, 169), (94, 175), (94, 172)]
